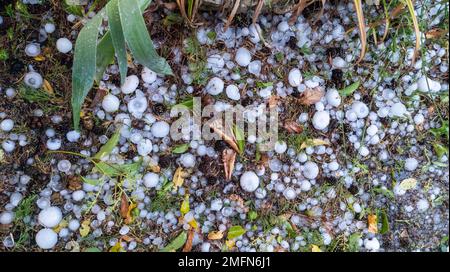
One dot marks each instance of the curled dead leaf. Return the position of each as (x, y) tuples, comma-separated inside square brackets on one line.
[(124, 206), (293, 127), (228, 159), (188, 245), (226, 135), (215, 235), (372, 222), (48, 87), (178, 178), (311, 96)]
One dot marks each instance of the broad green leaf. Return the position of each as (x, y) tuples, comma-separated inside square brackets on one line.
[(176, 243), (440, 150), (115, 170), (90, 181), (384, 222), (189, 103), (353, 242), (118, 40), (84, 64), (349, 89), (181, 148), (107, 148), (105, 55), (138, 38), (240, 138), (235, 231), (252, 215)]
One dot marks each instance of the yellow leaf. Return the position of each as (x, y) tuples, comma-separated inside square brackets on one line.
[(185, 205), (372, 221), (39, 58), (178, 178), (215, 235), (117, 248), (129, 217), (85, 228), (193, 224), (408, 184), (48, 88), (315, 248), (313, 142), (154, 168), (61, 225), (230, 243)]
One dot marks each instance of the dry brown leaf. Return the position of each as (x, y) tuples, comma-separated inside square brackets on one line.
[(372, 221), (311, 96), (215, 235), (48, 87), (273, 101), (227, 137), (228, 159), (188, 245), (124, 206), (232, 14), (435, 33), (127, 238), (293, 127), (239, 200), (298, 8), (98, 98)]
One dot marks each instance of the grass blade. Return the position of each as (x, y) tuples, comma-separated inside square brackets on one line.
[(138, 38), (107, 148), (118, 40), (416, 29), (84, 65), (361, 27)]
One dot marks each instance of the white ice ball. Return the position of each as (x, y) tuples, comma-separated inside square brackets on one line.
[(160, 129), (63, 45), (289, 193), (295, 77), (321, 120), (32, 49), (130, 85), (148, 76), (6, 218), (46, 238), (215, 86), (49, 28), (8, 146), (7, 125), (397, 110), (310, 170), (110, 103), (243, 57), (280, 147), (233, 92), (372, 130), (361, 109), (33, 80), (187, 160), (78, 195), (144, 147), (426, 84), (411, 164), (333, 98), (50, 217), (73, 136), (151, 180), (249, 181), (372, 244), (54, 144)]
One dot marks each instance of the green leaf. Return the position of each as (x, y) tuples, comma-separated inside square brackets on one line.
[(252, 215), (107, 148), (138, 38), (235, 231), (105, 55), (441, 131), (440, 150), (240, 138), (384, 222), (181, 148), (84, 64), (264, 84), (90, 181), (387, 193), (189, 103), (73, 9), (349, 89), (176, 243), (115, 170), (353, 242), (118, 40)]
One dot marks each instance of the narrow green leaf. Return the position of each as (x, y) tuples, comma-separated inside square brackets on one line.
[(384, 192), (189, 103), (84, 64), (118, 40), (90, 181), (107, 148), (240, 138), (176, 243), (138, 38), (235, 231), (181, 148), (384, 222), (105, 55), (349, 89)]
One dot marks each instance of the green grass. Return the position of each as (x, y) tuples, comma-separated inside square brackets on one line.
[(39, 96)]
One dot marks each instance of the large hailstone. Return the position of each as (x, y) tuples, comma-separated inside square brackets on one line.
[(130, 85), (333, 98), (215, 86), (151, 180), (361, 109), (321, 120), (310, 170), (249, 181), (295, 77), (160, 129), (232, 92), (137, 106), (33, 80), (7, 125), (187, 160), (144, 147), (148, 76), (110, 103), (50, 217), (397, 110), (215, 62), (64, 45), (32, 49), (46, 238), (425, 84), (6, 218), (243, 57)]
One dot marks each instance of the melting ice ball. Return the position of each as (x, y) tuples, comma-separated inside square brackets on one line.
[(46, 238), (64, 45), (50, 217), (249, 181)]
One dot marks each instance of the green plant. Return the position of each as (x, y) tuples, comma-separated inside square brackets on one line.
[(126, 27), (3, 54)]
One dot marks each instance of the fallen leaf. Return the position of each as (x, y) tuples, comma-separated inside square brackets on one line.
[(372, 222), (408, 184), (273, 101), (293, 127), (311, 96), (315, 248), (235, 231), (129, 217), (124, 206), (184, 209), (313, 142), (127, 238), (193, 223), (230, 243), (85, 228), (176, 243), (435, 33), (39, 58), (178, 178), (61, 225), (215, 235), (188, 245), (117, 248), (227, 137), (98, 98), (48, 88), (228, 159)]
